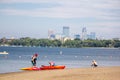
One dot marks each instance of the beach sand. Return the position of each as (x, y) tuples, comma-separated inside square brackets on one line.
[(99, 73)]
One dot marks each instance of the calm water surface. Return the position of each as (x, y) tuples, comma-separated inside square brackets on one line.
[(20, 57)]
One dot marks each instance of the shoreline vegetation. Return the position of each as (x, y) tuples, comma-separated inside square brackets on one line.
[(76, 43), (99, 73)]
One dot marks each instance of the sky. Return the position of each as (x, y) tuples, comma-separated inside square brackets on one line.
[(33, 18)]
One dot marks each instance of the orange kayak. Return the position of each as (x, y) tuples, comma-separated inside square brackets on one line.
[(43, 68), (51, 67)]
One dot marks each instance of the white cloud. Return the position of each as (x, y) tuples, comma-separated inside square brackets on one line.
[(68, 9), (23, 1)]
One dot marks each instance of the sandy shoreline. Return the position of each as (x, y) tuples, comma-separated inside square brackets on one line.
[(100, 73)]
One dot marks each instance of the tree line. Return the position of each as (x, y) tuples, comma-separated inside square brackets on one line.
[(76, 43)]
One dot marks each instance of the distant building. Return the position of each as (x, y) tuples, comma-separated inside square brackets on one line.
[(88, 36), (66, 38), (84, 33), (58, 36), (66, 31), (116, 39), (51, 34), (77, 36), (92, 35)]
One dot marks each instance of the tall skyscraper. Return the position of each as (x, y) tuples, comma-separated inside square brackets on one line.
[(84, 33), (66, 31), (93, 35)]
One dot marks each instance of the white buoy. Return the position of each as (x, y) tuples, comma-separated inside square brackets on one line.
[(61, 53)]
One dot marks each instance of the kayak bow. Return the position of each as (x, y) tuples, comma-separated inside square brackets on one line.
[(30, 68)]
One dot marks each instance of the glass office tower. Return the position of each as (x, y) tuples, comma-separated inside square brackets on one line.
[(84, 33), (66, 31)]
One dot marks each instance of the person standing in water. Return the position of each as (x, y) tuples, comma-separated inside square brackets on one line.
[(94, 63), (34, 59)]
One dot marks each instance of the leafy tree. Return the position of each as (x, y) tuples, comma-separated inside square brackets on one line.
[(76, 43)]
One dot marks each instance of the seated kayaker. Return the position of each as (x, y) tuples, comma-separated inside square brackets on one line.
[(52, 63)]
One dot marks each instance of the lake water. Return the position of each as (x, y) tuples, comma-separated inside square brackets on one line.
[(20, 57)]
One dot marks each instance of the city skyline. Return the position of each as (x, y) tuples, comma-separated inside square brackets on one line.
[(66, 34), (33, 18)]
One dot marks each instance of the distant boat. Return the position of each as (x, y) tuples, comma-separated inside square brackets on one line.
[(4, 52)]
